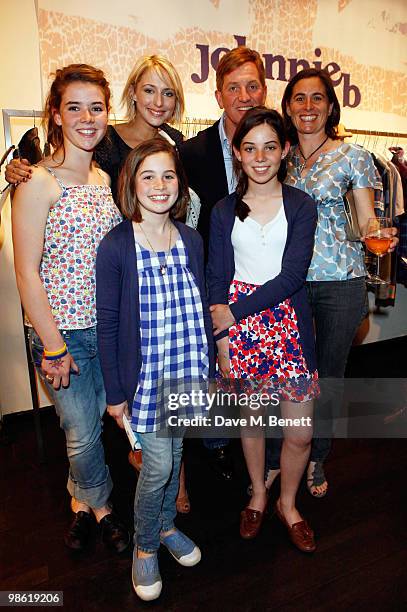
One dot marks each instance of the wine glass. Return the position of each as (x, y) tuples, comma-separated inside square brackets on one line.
[(377, 240)]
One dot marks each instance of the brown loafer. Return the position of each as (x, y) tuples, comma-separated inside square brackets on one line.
[(250, 522), (300, 534)]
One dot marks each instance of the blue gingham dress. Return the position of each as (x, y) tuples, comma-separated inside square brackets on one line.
[(174, 347)]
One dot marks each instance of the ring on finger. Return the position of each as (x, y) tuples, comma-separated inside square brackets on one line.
[(49, 378)]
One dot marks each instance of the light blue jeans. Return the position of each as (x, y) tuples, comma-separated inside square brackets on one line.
[(157, 489), (80, 408)]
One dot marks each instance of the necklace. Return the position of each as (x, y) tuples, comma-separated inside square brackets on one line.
[(163, 266), (302, 166)]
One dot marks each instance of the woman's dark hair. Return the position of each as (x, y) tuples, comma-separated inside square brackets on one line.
[(129, 204), (253, 118), (333, 118)]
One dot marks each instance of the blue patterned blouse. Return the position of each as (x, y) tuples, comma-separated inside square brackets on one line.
[(329, 178)]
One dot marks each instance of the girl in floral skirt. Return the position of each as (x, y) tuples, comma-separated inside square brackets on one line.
[(261, 243)]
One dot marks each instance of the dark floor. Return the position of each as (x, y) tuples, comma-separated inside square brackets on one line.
[(360, 563)]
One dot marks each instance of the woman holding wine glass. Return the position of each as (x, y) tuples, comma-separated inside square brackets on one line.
[(326, 168)]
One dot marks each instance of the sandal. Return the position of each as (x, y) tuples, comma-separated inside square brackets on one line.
[(183, 504), (316, 479)]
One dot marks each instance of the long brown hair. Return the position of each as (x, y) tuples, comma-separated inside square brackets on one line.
[(63, 78), (129, 204), (253, 118)]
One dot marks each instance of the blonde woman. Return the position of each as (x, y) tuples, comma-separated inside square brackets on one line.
[(153, 98)]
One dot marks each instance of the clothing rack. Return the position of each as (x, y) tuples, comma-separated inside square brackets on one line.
[(377, 133), (8, 113), (21, 114), (376, 141)]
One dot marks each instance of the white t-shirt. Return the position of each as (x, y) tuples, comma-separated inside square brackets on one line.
[(259, 248)]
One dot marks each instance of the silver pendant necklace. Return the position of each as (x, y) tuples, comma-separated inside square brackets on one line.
[(302, 166), (163, 266)]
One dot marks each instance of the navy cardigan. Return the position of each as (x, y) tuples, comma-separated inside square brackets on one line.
[(301, 214), (118, 307)]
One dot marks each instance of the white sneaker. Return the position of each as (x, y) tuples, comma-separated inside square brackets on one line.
[(146, 577), (184, 550)]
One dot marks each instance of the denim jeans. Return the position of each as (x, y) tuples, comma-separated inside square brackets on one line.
[(338, 308), (80, 408), (157, 489)]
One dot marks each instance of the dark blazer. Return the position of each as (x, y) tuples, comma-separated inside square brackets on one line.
[(301, 213), (204, 165), (118, 307)]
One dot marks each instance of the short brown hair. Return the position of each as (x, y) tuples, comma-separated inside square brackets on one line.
[(129, 204), (236, 58), (63, 78), (334, 117)]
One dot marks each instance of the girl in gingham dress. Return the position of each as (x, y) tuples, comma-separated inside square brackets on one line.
[(154, 329)]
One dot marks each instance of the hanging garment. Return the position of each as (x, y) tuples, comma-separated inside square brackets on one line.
[(402, 251), (29, 146), (393, 205), (401, 165)]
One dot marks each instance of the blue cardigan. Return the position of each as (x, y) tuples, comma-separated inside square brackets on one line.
[(300, 211), (118, 307)]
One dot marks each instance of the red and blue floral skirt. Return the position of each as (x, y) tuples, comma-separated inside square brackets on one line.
[(265, 349)]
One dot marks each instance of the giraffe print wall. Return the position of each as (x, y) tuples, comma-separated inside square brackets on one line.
[(363, 43)]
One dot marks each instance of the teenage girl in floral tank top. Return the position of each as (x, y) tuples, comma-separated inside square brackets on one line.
[(59, 219)]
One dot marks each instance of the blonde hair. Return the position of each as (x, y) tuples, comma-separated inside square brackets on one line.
[(166, 71)]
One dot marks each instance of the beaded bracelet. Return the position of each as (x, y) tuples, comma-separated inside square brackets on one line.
[(54, 355)]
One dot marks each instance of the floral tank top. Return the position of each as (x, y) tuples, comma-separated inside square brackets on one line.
[(76, 223)]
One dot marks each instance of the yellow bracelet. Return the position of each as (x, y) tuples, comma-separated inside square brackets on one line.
[(55, 353)]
